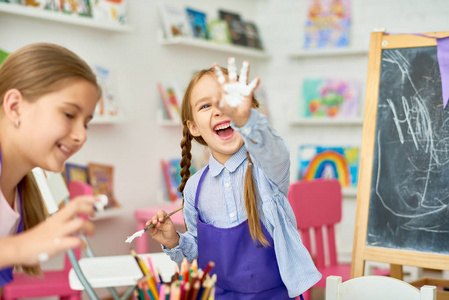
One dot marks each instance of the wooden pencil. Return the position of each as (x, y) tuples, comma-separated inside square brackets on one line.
[(209, 267), (195, 290)]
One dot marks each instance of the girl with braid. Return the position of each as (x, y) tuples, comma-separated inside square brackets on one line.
[(236, 208)]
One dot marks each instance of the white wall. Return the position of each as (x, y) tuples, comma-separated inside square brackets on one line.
[(138, 62)]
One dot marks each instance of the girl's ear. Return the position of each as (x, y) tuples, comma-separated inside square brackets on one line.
[(193, 129), (12, 102)]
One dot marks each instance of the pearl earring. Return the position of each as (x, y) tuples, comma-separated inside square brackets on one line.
[(17, 123)]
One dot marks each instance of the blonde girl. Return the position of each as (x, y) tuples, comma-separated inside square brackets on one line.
[(47, 96), (236, 208)]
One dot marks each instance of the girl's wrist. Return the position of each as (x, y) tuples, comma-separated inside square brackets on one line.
[(174, 243)]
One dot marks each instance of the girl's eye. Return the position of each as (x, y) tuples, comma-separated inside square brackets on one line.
[(69, 116), (205, 106)]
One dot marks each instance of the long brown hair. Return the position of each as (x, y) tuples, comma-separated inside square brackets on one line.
[(249, 192), (36, 70)]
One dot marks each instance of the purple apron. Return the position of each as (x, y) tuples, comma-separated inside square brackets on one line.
[(6, 273), (245, 269)]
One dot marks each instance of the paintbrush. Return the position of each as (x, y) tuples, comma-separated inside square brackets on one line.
[(141, 232)]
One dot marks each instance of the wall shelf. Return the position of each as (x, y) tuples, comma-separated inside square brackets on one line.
[(107, 213), (199, 43), (33, 12), (329, 52), (326, 121), (97, 120)]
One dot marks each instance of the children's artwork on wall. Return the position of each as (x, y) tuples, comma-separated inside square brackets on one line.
[(328, 24), (339, 162), (330, 98)]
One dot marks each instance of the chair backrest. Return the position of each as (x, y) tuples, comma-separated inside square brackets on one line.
[(317, 205), (374, 288)]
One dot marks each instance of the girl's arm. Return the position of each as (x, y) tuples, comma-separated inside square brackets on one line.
[(57, 234), (268, 150)]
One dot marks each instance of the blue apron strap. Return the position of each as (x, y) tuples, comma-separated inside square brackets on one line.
[(198, 189), (301, 297)]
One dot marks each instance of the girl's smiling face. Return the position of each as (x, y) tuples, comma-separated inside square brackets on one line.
[(209, 122), (54, 125)]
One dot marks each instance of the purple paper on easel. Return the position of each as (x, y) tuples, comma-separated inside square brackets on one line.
[(443, 63)]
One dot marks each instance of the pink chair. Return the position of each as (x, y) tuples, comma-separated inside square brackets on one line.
[(317, 206), (53, 283)]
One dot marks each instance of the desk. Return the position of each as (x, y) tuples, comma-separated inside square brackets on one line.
[(144, 214), (119, 270)]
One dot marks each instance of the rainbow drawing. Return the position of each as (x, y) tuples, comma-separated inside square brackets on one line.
[(329, 162)]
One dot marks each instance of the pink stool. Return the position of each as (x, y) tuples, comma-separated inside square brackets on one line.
[(144, 214)]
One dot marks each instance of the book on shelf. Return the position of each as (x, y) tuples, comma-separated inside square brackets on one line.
[(79, 7), (330, 98), (173, 18), (253, 38), (219, 32), (52, 189), (101, 178), (331, 162), (107, 106), (76, 172), (110, 11), (3, 55), (172, 178), (198, 23), (171, 97), (235, 24), (328, 24)]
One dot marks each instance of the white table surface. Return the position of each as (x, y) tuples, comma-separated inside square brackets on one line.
[(119, 270)]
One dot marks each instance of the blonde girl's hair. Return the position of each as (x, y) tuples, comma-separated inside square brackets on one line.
[(36, 70), (186, 159)]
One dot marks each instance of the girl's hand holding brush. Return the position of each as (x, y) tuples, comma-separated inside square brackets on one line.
[(164, 231)]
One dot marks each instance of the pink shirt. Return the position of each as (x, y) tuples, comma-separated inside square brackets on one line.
[(9, 216)]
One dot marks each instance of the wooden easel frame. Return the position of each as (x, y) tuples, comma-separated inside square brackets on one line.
[(361, 252)]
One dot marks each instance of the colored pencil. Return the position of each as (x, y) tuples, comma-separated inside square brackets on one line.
[(150, 264), (209, 266), (143, 267), (194, 265), (195, 290)]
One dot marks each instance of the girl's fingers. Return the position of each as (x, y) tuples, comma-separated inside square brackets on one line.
[(243, 78), (232, 69), (78, 225), (220, 77), (251, 87), (160, 215), (79, 205)]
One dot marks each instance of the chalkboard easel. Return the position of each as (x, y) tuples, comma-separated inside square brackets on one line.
[(402, 213)]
